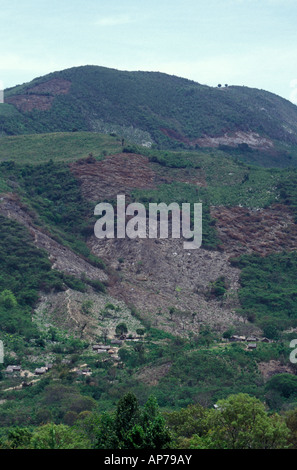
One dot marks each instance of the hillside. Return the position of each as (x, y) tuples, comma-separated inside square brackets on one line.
[(152, 108), (88, 321), (63, 290)]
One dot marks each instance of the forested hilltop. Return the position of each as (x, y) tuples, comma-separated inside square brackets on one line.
[(154, 109)]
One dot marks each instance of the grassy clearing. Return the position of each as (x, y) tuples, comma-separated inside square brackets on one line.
[(58, 146)]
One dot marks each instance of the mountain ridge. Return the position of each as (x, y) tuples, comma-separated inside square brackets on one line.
[(164, 110)]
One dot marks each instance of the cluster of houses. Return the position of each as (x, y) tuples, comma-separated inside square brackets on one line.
[(106, 348), (39, 371), (251, 340)]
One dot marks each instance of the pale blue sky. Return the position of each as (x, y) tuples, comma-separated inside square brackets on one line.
[(239, 42)]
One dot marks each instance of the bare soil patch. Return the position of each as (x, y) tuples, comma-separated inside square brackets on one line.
[(116, 174), (154, 275), (41, 96), (270, 368), (263, 231), (152, 375)]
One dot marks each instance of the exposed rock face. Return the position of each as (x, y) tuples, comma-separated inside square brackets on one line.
[(252, 139)]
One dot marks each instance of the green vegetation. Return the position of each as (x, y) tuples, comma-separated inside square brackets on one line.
[(268, 292), (131, 427), (58, 147), (173, 111), (25, 269), (288, 190), (53, 193), (238, 422)]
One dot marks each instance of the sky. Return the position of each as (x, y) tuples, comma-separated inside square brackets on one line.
[(238, 42)]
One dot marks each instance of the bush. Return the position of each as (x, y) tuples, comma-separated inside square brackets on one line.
[(285, 384)]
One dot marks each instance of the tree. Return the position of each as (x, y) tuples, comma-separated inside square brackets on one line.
[(18, 438), (151, 432), (126, 417), (8, 299), (140, 331), (185, 423), (291, 422), (58, 436), (121, 328), (218, 287), (285, 384), (131, 427), (241, 422), (172, 311), (102, 431), (105, 333), (86, 307)]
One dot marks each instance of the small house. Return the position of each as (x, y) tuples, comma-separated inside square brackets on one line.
[(252, 345), (13, 369), (266, 340), (101, 347), (237, 338), (40, 371)]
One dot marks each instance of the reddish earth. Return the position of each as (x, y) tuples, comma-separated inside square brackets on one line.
[(119, 174), (41, 96), (262, 231), (27, 103), (172, 134), (56, 86), (116, 174)]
